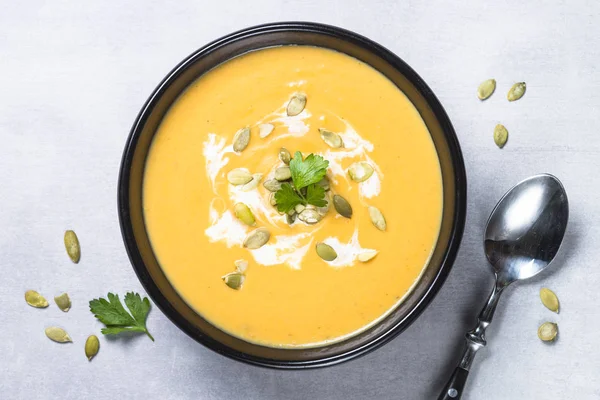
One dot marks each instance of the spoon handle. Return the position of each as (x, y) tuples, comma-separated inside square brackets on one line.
[(453, 390)]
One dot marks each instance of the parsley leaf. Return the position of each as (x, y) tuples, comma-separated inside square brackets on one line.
[(287, 198), (305, 174), (315, 195), (112, 313), (308, 171)]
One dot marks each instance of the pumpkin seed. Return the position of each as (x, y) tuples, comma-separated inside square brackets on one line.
[(360, 171), (332, 139), (296, 104), (63, 302), (548, 331), (486, 89), (367, 255), (92, 345), (325, 209), (342, 206), (285, 156), (253, 184), (324, 183), (241, 139), (234, 280), (58, 334), (309, 216), (326, 252), (72, 246), (500, 135), (257, 238), (244, 214), (239, 176), (272, 199), (290, 219), (549, 299), (241, 265), (283, 173), (34, 299), (516, 91), (265, 130), (377, 218), (272, 185), (299, 208)]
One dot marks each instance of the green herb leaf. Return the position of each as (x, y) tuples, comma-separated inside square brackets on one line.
[(305, 174), (112, 313), (139, 307), (114, 330), (287, 198), (308, 171), (315, 195)]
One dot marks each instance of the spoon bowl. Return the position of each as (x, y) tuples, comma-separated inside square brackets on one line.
[(526, 228)]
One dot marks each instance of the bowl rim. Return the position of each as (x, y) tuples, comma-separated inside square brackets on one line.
[(460, 181)]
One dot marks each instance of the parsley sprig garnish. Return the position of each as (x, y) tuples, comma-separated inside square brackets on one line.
[(306, 173), (112, 313)]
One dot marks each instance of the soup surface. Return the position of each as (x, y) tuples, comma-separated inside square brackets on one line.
[(290, 296)]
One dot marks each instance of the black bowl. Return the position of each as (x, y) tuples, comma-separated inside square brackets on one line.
[(296, 33)]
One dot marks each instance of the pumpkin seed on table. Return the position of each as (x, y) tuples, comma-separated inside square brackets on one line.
[(265, 130), (377, 218), (360, 171), (244, 214), (34, 299), (63, 302), (325, 251), (272, 185), (342, 206), (58, 335), (241, 140), (285, 156), (500, 135), (257, 238), (549, 299), (253, 184), (283, 173), (309, 216), (72, 246), (92, 345), (234, 280), (296, 104), (516, 91), (547, 331), (367, 255), (331, 138), (239, 176), (486, 89)]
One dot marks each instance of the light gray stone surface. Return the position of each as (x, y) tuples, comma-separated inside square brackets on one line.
[(73, 75)]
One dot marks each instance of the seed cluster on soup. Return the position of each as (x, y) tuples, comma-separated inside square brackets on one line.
[(293, 196)]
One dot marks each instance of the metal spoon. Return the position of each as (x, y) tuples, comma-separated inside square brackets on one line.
[(522, 237)]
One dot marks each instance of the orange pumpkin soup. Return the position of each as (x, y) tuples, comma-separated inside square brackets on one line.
[(203, 201)]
